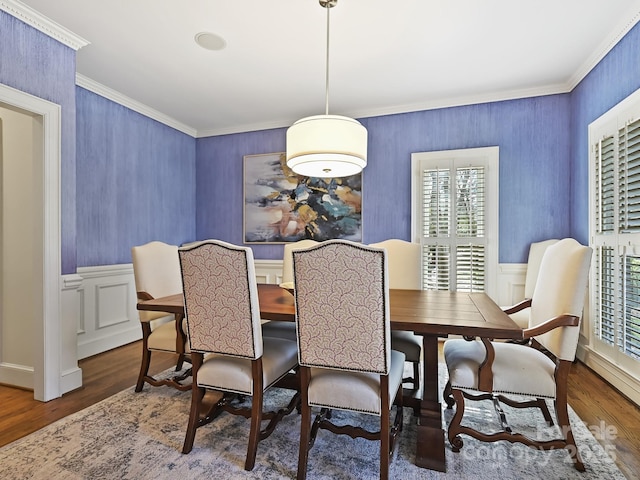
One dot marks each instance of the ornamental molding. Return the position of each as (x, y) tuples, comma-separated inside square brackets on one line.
[(45, 25)]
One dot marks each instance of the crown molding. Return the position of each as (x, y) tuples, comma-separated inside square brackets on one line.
[(448, 102), (607, 45), (132, 104), (461, 101), (47, 26)]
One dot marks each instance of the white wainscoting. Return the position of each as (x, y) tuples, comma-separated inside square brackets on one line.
[(511, 278), (105, 303), (107, 309)]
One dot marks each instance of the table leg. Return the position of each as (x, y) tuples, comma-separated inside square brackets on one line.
[(430, 441)]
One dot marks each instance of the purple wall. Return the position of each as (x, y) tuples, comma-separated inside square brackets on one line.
[(534, 170), (612, 80), (34, 63), (135, 181), (119, 203)]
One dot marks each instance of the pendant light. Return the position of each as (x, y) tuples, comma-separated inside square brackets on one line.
[(327, 146)]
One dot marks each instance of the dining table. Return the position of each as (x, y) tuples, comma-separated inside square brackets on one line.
[(432, 314)]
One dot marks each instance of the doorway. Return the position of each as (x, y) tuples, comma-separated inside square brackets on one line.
[(30, 322)]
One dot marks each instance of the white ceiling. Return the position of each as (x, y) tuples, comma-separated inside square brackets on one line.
[(385, 57)]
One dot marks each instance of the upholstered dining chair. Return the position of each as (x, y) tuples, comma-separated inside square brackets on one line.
[(404, 273), (229, 352), (481, 369), (536, 252), (156, 272), (286, 329), (344, 343), (287, 257)]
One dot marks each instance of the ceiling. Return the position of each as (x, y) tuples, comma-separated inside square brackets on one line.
[(385, 57)]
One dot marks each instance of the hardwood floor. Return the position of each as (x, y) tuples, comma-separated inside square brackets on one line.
[(613, 419), (103, 375)]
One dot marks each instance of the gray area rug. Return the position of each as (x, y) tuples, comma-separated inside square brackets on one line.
[(139, 436)]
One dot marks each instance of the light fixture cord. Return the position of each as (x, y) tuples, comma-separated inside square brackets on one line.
[(326, 106)]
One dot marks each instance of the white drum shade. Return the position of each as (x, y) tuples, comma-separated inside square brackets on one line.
[(327, 146)]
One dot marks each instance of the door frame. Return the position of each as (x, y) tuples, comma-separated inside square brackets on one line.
[(47, 331)]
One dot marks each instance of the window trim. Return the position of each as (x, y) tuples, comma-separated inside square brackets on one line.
[(489, 158), (623, 243)]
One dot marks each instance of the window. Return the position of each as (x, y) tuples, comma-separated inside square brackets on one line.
[(455, 218), (615, 232)]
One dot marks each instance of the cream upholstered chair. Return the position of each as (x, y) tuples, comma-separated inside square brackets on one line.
[(156, 272), (556, 309), (287, 257), (345, 356), (536, 251), (228, 350), (285, 329), (404, 273)]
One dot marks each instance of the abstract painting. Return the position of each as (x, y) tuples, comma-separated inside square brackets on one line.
[(280, 206)]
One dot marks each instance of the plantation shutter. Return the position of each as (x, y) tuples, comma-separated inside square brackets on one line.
[(605, 177), (616, 237), (614, 229), (629, 334), (454, 240), (629, 175), (606, 296)]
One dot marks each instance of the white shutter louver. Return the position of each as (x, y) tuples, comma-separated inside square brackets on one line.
[(629, 177), (606, 297), (629, 334), (436, 260), (470, 268), (453, 227), (436, 201), (470, 202), (604, 192)]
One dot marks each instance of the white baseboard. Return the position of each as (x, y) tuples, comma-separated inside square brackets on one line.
[(108, 341), (625, 383), (16, 375), (71, 380)]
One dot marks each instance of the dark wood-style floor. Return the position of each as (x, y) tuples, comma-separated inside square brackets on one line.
[(597, 403)]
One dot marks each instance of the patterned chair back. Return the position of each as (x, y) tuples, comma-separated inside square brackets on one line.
[(342, 307), (221, 299)]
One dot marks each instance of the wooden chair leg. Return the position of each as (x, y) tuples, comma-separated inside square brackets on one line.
[(454, 427), (180, 362), (305, 425), (385, 428), (256, 414), (562, 415), (146, 357), (446, 395), (416, 375), (197, 394)]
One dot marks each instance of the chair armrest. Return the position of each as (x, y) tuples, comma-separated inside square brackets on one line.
[(526, 303), (544, 327), (144, 296)]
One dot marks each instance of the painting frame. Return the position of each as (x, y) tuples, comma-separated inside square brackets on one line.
[(280, 206)]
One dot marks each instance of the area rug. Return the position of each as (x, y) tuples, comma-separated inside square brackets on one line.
[(139, 436)]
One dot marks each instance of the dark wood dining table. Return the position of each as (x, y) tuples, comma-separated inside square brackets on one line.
[(431, 314)]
